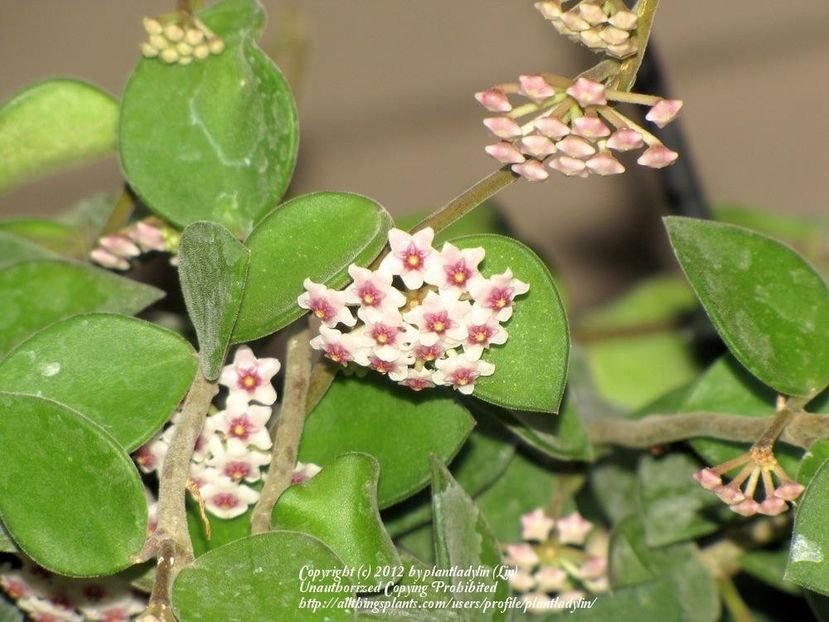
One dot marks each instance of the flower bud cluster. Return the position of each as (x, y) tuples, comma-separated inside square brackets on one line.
[(601, 25), (557, 559), (115, 251), (571, 126), (46, 597), (423, 318), (234, 444), (758, 464), (180, 39)]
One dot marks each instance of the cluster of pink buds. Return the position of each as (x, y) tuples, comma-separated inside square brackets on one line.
[(181, 39), (557, 564), (571, 126), (758, 464), (234, 444), (46, 597), (115, 251), (604, 27), (423, 318)]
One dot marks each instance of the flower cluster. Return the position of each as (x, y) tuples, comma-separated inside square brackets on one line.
[(46, 597), (423, 318), (234, 443), (180, 40), (604, 27), (115, 251), (557, 563), (570, 126), (757, 464)]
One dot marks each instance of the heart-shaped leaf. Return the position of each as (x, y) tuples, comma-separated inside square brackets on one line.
[(768, 304), (315, 236), (339, 506), (14, 249), (394, 424), (52, 235), (51, 125), (531, 367), (102, 366), (464, 539), (727, 387), (213, 267), (37, 293), (69, 494), (264, 577), (216, 139), (222, 531), (810, 540)]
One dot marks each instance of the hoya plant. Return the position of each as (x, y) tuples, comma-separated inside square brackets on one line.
[(327, 414)]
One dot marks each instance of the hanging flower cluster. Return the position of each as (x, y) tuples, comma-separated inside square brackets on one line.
[(758, 464), (570, 126), (601, 25), (234, 443), (115, 251), (180, 39), (47, 597), (557, 563), (423, 318)]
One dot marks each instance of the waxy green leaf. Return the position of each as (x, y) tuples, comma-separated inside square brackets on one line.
[(768, 304), (315, 236), (213, 267), (810, 539), (6, 543), (58, 237), (728, 388), (222, 530), (216, 139), (531, 367), (463, 539), (339, 506), (262, 577), (769, 567), (14, 249), (52, 125), (396, 425), (103, 366), (69, 494), (38, 293)]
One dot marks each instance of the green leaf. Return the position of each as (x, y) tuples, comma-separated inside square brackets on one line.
[(38, 293), (531, 367), (315, 236), (397, 426), (103, 366), (653, 600), (674, 507), (213, 267), (214, 140), (263, 577), (14, 250), (486, 218), (51, 235), (769, 567), (52, 125), (526, 484), (815, 456), (69, 494), (9, 613), (768, 304), (222, 530), (632, 562), (463, 539), (6, 543), (810, 539), (339, 506), (89, 217), (727, 387), (614, 485), (235, 19)]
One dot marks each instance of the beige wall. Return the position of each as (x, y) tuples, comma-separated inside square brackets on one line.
[(386, 109)]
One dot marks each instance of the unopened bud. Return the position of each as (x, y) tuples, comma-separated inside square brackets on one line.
[(505, 152), (531, 170), (193, 36), (184, 49), (201, 51), (575, 147), (552, 127), (657, 156), (772, 506), (605, 164), (148, 50), (748, 507), (574, 21), (626, 20), (152, 26), (591, 38), (614, 36), (592, 13), (216, 45), (503, 127), (174, 32), (170, 55), (494, 100), (159, 42), (537, 146), (569, 166)]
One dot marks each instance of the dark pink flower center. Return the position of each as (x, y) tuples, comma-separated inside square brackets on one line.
[(384, 335), (248, 380), (337, 353), (428, 353), (145, 458), (237, 470), (458, 273), (417, 383), (462, 377), (369, 295), (480, 335), (321, 309), (378, 364), (226, 500), (115, 615), (240, 427), (499, 298), (438, 322), (412, 258)]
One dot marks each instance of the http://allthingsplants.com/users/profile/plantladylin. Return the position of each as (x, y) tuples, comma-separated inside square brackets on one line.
[(340, 407)]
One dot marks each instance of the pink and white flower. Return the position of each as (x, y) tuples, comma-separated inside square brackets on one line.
[(497, 293), (303, 471), (396, 369), (388, 335), (341, 348), (536, 525), (237, 462), (440, 318), (245, 426), (150, 456), (460, 372), (455, 267), (418, 379), (523, 556), (327, 305), (573, 529), (587, 92), (482, 330), (249, 378), (227, 499), (410, 256), (664, 111), (373, 291)]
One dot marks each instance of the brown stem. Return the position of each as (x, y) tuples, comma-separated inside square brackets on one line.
[(120, 214), (646, 10), (733, 601), (323, 373), (802, 430), (778, 423), (170, 542), (288, 430)]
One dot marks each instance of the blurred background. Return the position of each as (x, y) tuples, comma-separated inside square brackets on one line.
[(384, 89)]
